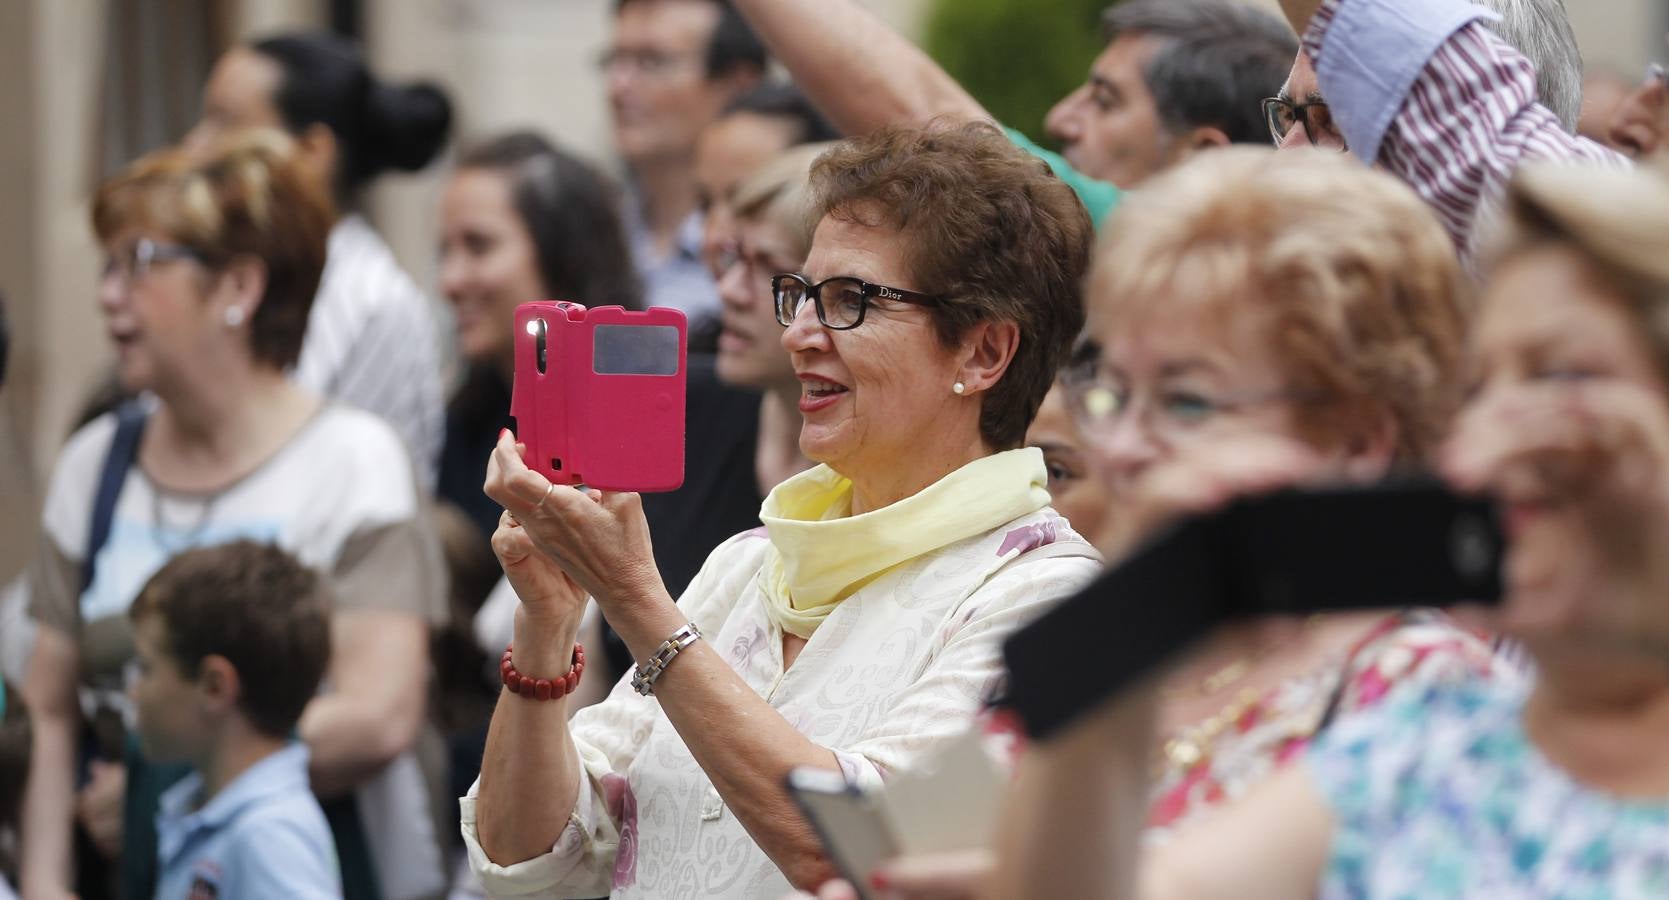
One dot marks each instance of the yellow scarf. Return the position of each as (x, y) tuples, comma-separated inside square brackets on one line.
[(821, 554)]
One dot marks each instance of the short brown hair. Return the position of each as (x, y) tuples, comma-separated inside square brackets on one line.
[(246, 196), (987, 227), (1367, 306), (258, 607)]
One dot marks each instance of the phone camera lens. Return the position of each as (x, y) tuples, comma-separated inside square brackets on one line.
[(539, 343), (1472, 546)]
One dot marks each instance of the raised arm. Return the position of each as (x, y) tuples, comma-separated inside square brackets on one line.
[(530, 752), (860, 73), (745, 746)]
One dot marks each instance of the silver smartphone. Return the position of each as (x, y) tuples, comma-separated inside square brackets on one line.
[(849, 822)]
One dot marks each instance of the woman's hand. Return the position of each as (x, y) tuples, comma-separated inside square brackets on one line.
[(548, 596), (1583, 473), (600, 540), (1641, 124)]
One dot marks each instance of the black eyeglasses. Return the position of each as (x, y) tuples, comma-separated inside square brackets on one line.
[(1316, 118), (840, 302)]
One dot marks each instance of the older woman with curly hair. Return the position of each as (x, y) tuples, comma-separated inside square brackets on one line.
[(859, 628)]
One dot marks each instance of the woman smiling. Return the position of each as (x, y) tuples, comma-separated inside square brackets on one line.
[(859, 628)]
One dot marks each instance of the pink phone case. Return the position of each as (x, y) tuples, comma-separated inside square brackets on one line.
[(606, 407)]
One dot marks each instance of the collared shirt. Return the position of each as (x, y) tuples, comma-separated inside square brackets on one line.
[(262, 836), (371, 342), (678, 278), (1425, 89)]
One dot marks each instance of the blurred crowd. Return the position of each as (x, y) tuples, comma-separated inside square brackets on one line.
[(303, 621)]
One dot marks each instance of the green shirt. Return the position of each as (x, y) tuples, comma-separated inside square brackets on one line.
[(1099, 197)]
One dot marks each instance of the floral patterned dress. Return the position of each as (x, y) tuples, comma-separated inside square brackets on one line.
[(1271, 730), (1440, 794)]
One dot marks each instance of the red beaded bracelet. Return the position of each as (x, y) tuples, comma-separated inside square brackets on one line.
[(542, 688)]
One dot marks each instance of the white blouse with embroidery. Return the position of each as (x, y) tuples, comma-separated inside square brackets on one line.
[(895, 670)]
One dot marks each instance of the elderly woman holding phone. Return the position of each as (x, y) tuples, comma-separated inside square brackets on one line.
[(859, 628)]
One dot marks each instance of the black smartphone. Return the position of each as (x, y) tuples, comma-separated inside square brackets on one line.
[(1409, 542)]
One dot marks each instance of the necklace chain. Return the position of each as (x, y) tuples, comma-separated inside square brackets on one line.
[(1192, 745), (189, 536)]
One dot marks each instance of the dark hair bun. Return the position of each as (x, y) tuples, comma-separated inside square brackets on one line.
[(378, 126), (406, 126)]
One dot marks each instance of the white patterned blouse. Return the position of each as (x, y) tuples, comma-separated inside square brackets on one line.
[(898, 668)]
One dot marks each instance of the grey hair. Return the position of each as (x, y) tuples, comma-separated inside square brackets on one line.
[(1541, 30), (1216, 61)]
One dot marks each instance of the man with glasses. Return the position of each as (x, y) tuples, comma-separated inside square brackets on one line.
[(1450, 97), (671, 69), (1177, 76)]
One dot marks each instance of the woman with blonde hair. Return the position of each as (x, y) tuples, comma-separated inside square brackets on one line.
[(1250, 301), (213, 260), (1468, 790)]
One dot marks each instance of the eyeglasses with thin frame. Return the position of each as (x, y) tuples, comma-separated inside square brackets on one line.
[(840, 301), (1314, 116), (1099, 400), (650, 63), (138, 259)]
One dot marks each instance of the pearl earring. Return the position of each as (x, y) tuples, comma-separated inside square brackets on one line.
[(234, 316), (958, 388)]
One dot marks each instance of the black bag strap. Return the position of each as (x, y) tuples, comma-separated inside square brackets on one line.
[(124, 449)]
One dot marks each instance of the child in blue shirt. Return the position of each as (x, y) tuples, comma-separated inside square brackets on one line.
[(231, 643)]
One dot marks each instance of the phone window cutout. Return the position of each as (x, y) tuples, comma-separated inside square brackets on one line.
[(635, 350)]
